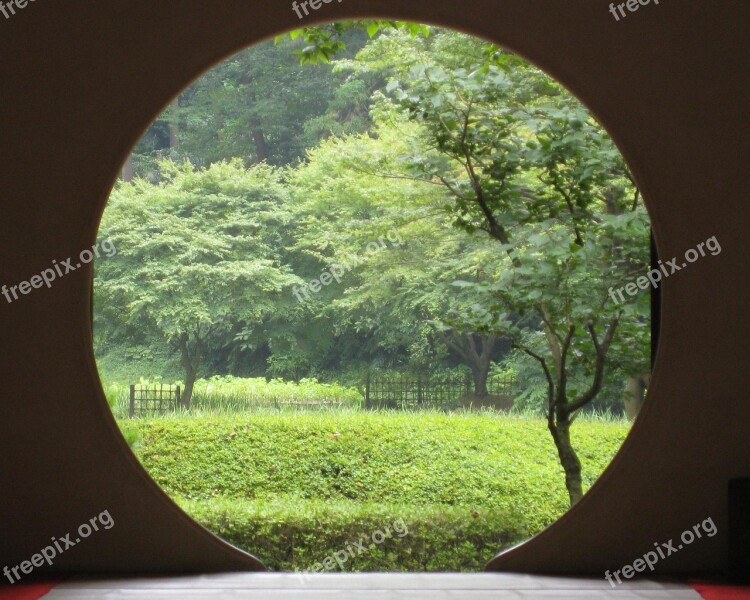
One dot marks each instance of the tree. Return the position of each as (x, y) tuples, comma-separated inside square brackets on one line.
[(397, 298), (524, 164), (198, 257), (327, 41), (259, 105), (560, 290)]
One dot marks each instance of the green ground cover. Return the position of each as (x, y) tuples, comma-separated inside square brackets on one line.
[(293, 488)]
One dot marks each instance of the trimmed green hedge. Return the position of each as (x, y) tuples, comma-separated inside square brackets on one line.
[(292, 535), (391, 458)]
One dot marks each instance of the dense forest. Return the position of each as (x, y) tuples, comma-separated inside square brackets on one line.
[(386, 197)]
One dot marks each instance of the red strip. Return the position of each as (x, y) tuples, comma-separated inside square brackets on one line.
[(25, 591), (720, 591)]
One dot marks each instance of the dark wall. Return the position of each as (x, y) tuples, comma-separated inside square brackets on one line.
[(80, 80)]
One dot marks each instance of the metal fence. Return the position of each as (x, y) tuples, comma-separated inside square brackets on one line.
[(418, 390), (154, 399)]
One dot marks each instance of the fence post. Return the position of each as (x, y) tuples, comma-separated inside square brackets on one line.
[(367, 390), (132, 401), (177, 398), (419, 388)]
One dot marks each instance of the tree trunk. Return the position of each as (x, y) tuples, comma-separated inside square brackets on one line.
[(256, 127), (187, 394), (476, 352), (127, 169), (479, 372), (190, 364), (635, 394), (173, 126), (568, 458), (261, 145), (559, 409)]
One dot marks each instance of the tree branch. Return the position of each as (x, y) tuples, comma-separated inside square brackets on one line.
[(550, 383), (601, 355), (562, 377)]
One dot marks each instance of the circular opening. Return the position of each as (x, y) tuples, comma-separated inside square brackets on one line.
[(371, 297)]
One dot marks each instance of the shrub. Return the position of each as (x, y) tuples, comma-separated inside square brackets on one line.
[(294, 534), (471, 460)]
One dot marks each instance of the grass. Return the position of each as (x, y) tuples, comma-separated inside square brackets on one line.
[(226, 395)]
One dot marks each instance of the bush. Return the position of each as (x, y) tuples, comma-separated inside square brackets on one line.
[(468, 460), (294, 534)]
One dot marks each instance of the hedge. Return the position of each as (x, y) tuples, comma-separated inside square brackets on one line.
[(295, 534), (423, 459)]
